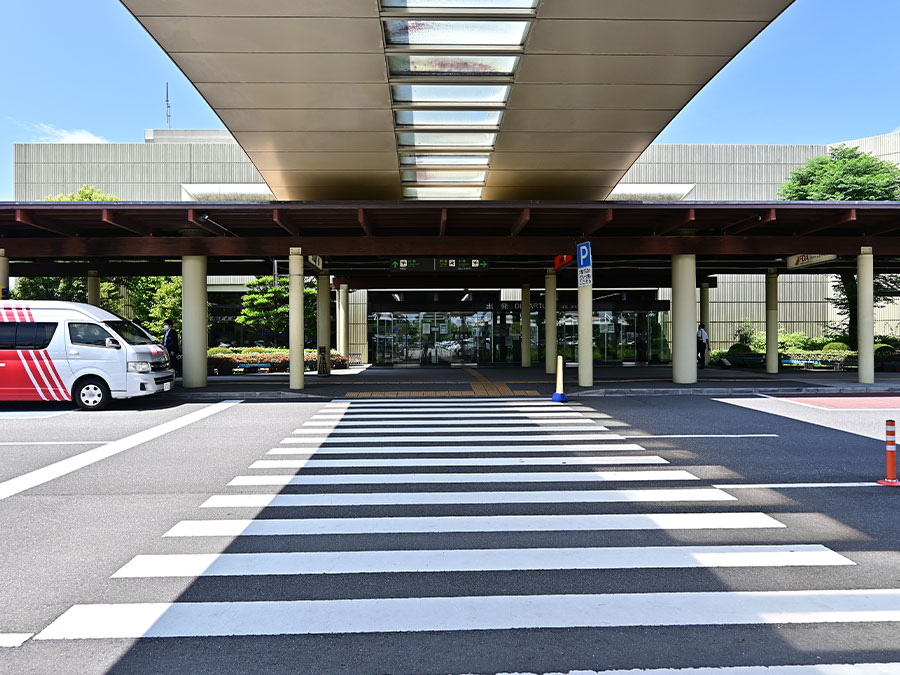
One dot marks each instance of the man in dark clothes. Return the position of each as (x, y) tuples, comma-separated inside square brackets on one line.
[(170, 342)]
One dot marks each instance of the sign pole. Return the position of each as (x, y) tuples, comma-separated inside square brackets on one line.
[(585, 315)]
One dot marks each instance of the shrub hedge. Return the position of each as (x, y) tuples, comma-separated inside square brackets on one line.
[(276, 359)]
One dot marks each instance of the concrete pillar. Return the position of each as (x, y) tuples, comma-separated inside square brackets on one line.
[(585, 336), (684, 319), (4, 275), (865, 313), (343, 320), (194, 320), (772, 321), (93, 288), (295, 317), (550, 322), (323, 307), (704, 314), (526, 326)]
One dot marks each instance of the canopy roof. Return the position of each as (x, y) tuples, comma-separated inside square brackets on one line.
[(449, 99)]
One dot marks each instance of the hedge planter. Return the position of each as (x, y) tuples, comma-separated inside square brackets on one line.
[(227, 360)]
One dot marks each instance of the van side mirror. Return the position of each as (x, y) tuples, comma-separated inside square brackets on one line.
[(112, 342)]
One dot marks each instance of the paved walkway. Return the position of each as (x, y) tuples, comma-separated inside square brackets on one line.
[(369, 382)]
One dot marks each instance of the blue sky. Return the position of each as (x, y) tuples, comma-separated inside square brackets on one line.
[(825, 71)]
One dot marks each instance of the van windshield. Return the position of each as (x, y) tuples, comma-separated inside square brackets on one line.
[(131, 332)]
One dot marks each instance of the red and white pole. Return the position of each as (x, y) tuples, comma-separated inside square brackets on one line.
[(890, 446)]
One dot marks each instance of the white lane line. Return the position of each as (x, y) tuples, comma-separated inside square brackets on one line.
[(456, 461), (368, 429), (54, 442), (66, 466), (778, 486), (354, 404), (526, 497), (708, 436), (477, 560), (14, 639), (431, 449), (468, 478), (536, 425), (455, 438), (499, 612), (266, 527), (817, 669), (474, 414)]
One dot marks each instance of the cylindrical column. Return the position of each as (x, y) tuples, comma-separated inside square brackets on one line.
[(865, 314), (343, 320), (295, 317), (323, 314), (684, 319), (93, 288), (194, 320), (550, 322), (704, 315), (4, 275), (526, 326), (772, 321), (585, 336)]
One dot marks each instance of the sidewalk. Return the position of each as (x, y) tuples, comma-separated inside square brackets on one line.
[(368, 382)]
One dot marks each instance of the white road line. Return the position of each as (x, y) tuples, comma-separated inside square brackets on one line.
[(14, 639), (778, 486), (477, 560), (14, 443), (709, 436), (499, 497), (537, 424), (355, 404), (466, 478), (456, 461), (455, 438), (270, 527), (368, 429), (499, 612), (40, 476), (430, 449), (523, 414), (817, 669)]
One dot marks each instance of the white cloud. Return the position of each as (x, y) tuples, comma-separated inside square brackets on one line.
[(52, 134)]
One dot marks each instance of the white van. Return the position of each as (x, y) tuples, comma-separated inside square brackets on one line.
[(65, 351)]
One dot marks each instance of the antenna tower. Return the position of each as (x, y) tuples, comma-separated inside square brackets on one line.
[(168, 108)]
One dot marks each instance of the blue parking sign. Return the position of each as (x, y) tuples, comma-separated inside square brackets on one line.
[(583, 255)]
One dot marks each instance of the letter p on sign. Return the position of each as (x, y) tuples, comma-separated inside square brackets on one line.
[(583, 255)]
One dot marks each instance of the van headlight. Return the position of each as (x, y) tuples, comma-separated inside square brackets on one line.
[(138, 366)]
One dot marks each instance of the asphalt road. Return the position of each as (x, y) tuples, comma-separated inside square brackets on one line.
[(161, 537)]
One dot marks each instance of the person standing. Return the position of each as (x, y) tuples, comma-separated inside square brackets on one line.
[(170, 342), (702, 345)]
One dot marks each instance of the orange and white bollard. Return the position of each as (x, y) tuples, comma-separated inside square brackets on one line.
[(890, 444)]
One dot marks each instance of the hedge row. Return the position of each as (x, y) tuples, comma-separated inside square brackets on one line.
[(229, 358)]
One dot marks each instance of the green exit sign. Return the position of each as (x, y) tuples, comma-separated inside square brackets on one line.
[(404, 264)]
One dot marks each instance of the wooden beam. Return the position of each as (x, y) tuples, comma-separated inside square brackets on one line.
[(749, 223), (885, 229), (364, 222), (520, 223), (213, 229), (443, 228), (848, 216), (277, 218), (598, 222), (688, 217), (107, 218), (25, 218)]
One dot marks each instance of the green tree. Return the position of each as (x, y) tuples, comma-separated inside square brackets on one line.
[(265, 305), (85, 193), (164, 303), (848, 174)]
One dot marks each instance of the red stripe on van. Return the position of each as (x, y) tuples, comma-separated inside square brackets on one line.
[(60, 385), (41, 376)]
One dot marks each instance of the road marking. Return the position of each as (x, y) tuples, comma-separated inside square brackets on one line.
[(267, 527), (428, 449), (14, 639), (468, 478), (14, 443), (817, 669), (474, 413), (492, 401), (708, 436), (437, 429), (456, 438), (31, 414), (66, 466), (477, 560), (499, 612), (499, 497), (455, 461), (538, 424), (752, 486)]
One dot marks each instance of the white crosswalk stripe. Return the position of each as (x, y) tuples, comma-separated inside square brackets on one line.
[(475, 525)]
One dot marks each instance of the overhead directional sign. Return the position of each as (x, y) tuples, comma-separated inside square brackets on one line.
[(438, 264), (808, 260), (562, 261), (585, 264)]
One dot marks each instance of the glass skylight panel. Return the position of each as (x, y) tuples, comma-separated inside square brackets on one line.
[(451, 64), (435, 159), (469, 33), (449, 93), (450, 139), (449, 118), (443, 192), (459, 4), (444, 176)]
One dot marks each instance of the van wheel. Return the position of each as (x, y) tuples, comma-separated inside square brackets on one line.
[(91, 394)]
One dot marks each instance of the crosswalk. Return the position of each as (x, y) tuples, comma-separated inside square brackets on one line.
[(452, 490)]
